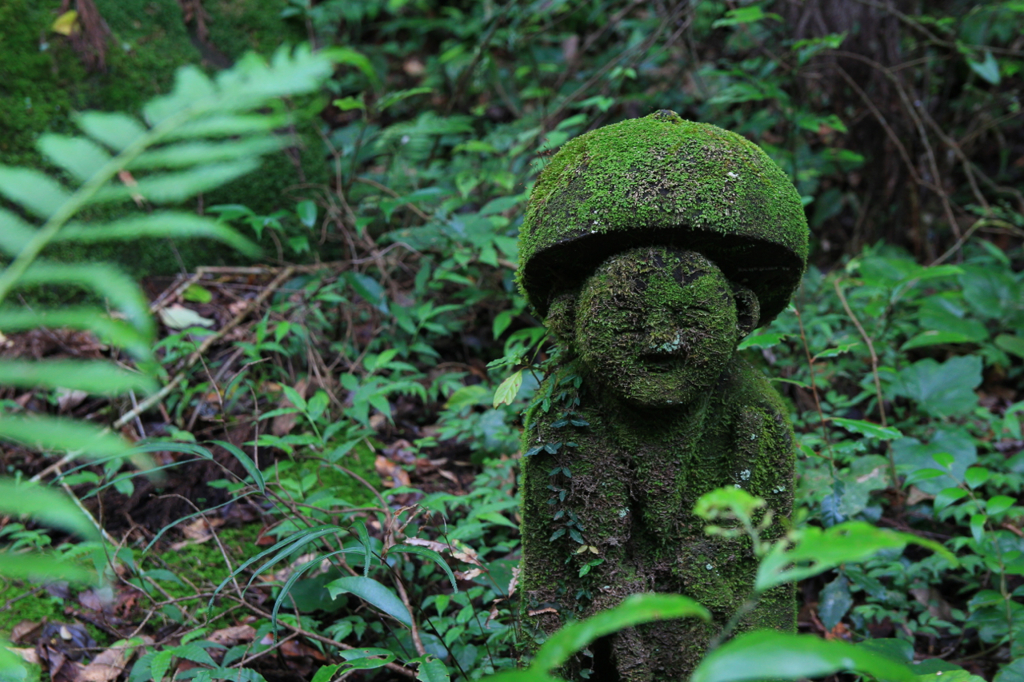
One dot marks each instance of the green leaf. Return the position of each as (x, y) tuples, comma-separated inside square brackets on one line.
[(391, 98), (42, 567), (294, 397), (946, 316), (36, 192), (367, 659), (784, 656), (978, 526), (899, 650), (349, 103), (227, 125), (1011, 672), (834, 601), (115, 332), (45, 505), (744, 15), (867, 428), (987, 69), (991, 292), (509, 389), (947, 497), (432, 670), (529, 675), (12, 667), (467, 396), (941, 390), (635, 609), (761, 339), (326, 672), (364, 540), (15, 233), (501, 204), (246, 462), (158, 224), (999, 504), (911, 455), (923, 475), (105, 280), (1011, 344), (835, 352), (976, 476), (370, 289), (306, 210), (373, 592), (161, 664), (172, 188), (79, 156), (934, 338), (43, 432), (195, 653), (191, 87), (116, 130), (197, 294), (277, 552), (811, 551), (431, 555), (189, 154), (97, 377), (344, 55)]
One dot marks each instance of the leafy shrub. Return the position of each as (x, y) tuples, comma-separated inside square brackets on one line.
[(199, 136)]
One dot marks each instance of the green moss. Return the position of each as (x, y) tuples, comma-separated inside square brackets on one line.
[(664, 413), (237, 26), (28, 603), (202, 562), (39, 78), (661, 179)]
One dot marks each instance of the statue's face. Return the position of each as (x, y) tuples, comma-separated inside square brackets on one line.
[(656, 326)]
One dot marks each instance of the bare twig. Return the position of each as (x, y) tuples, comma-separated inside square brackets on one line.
[(911, 110), (978, 224), (922, 29), (878, 384), (814, 387)]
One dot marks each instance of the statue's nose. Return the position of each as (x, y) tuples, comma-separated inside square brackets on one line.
[(663, 334)]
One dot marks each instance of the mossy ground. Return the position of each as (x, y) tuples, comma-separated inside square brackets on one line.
[(663, 413)]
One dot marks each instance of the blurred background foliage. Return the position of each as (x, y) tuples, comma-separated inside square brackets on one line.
[(347, 378)]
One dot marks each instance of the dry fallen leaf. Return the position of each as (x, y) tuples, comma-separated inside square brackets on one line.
[(429, 544), (282, 424), (233, 635), (27, 655), (107, 665), (391, 474), (199, 530)]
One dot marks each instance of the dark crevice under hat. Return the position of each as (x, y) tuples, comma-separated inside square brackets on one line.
[(661, 180)]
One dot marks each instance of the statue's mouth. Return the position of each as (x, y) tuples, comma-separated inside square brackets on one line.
[(662, 362)]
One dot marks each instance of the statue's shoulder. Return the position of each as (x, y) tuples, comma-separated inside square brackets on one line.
[(557, 394), (743, 386)]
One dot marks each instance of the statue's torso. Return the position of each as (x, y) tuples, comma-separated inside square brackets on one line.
[(622, 490)]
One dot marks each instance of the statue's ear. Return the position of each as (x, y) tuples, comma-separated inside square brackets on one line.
[(748, 310), (561, 319)]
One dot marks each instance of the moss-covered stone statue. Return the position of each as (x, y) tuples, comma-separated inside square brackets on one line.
[(652, 247)]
